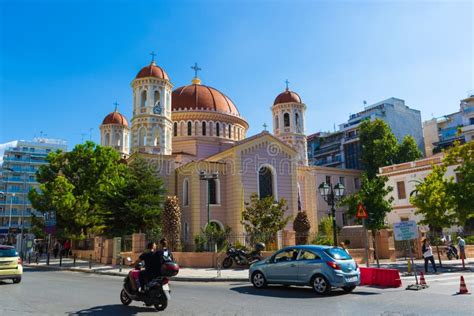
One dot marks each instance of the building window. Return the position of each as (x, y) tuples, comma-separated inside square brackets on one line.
[(342, 181), (404, 219), (190, 128), (175, 129), (107, 139), (286, 119), (186, 231), (328, 179), (156, 98), (297, 120), (214, 189), (230, 131), (357, 183), (185, 192), (401, 190), (142, 137), (203, 128), (117, 139), (265, 182), (276, 122), (218, 131), (143, 99)]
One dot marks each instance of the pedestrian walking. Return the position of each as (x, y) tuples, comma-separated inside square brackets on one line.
[(56, 249), (462, 247), (67, 248), (428, 255)]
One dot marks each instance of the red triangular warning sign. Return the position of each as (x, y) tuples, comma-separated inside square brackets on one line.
[(361, 212)]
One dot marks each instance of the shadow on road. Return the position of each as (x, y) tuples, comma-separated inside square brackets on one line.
[(293, 292), (117, 309)]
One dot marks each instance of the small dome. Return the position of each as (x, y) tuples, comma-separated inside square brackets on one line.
[(197, 97), (152, 70), (287, 96), (115, 118)]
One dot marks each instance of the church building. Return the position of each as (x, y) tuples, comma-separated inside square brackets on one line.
[(197, 139)]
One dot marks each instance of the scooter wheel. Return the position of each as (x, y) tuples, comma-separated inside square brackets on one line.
[(124, 298), (161, 306), (227, 263)]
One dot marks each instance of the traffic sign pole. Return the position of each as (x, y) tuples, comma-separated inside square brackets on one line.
[(366, 243)]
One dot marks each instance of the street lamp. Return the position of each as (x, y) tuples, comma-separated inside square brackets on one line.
[(332, 195), (208, 177)]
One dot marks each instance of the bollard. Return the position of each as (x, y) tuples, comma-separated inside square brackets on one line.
[(60, 259), (74, 260), (409, 266), (37, 259), (47, 259), (29, 258), (90, 261), (120, 263)]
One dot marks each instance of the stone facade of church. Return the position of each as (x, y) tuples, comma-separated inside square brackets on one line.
[(196, 128)]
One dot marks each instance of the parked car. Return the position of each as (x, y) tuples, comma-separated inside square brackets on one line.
[(321, 267), (10, 264)]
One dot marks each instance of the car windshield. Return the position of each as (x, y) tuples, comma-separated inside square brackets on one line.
[(338, 254), (8, 253)]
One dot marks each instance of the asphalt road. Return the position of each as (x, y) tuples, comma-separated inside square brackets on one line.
[(45, 292)]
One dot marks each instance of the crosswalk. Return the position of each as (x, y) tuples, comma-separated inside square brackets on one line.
[(447, 281)]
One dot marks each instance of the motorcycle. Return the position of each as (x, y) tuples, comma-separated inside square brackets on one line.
[(452, 252), (242, 257), (156, 292)]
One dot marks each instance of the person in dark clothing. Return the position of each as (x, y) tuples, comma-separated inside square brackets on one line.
[(164, 253), (150, 264)]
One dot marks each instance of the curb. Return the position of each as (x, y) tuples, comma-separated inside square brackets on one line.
[(123, 274)]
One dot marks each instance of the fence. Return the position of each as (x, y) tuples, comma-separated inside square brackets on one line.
[(83, 244), (126, 243)]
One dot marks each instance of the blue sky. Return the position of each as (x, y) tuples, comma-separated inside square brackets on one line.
[(63, 65)]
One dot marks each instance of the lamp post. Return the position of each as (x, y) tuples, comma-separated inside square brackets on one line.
[(208, 177), (332, 195)]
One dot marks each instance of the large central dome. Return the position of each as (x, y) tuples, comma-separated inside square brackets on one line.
[(201, 97)]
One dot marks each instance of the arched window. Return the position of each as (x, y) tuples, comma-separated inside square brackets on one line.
[(107, 139), (186, 192), (218, 131), (117, 139), (156, 136), (190, 128), (286, 119), (156, 97), (142, 137), (265, 182), (215, 191), (230, 131), (143, 99), (277, 124), (203, 128), (297, 120), (175, 129)]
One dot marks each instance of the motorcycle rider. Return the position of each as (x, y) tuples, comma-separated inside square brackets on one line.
[(147, 258), (164, 253)]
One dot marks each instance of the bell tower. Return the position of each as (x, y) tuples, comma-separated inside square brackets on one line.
[(151, 122), (289, 122)]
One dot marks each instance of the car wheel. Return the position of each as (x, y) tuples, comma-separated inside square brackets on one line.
[(227, 263), (348, 289), (124, 298), (16, 280), (258, 280), (321, 285)]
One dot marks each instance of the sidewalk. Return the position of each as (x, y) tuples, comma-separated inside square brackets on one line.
[(226, 275), (185, 274)]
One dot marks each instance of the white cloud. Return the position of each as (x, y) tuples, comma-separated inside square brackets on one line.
[(5, 146)]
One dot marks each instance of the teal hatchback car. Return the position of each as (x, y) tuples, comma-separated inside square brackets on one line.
[(321, 267)]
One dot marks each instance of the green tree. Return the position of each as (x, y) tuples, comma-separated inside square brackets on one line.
[(263, 218), (434, 202), (374, 195), (463, 189), (137, 205), (378, 146), (74, 184), (407, 150)]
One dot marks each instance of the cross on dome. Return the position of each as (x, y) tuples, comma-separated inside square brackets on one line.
[(116, 106), (287, 82), (196, 68), (152, 57)]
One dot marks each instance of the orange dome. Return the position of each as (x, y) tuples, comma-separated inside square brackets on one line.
[(287, 96), (115, 118), (152, 70), (198, 97)]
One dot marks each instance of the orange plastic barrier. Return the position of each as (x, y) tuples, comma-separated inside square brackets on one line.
[(380, 277)]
